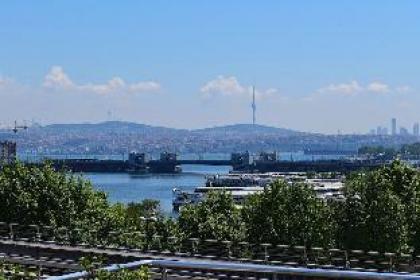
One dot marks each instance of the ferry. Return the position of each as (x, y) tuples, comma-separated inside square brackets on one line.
[(240, 186)]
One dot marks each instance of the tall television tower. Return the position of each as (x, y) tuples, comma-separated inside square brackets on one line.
[(254, 106)]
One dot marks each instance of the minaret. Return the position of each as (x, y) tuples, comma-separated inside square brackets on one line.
[(254, 106)]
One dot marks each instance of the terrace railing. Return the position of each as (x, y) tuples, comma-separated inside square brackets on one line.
[(163, 269), (239, 252)]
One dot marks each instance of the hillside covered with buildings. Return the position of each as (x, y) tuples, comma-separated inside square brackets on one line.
[(114, 138)]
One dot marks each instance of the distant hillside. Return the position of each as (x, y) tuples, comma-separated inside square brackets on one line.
[(246, 129), (131, 127), (116, 138), (111, 127)]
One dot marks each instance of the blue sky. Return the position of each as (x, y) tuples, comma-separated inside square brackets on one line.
[(317, 65)]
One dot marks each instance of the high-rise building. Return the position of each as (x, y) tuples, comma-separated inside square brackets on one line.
[(7, 152), (380, 130), (404, 131), (416, 129), (394, 126)]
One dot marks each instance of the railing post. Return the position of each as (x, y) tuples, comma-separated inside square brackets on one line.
[(93, 238), (172, 244), (39, 272), (63, 235), (228, 248), (164, 274), (266, 255), (11, 233), (37, 232), (346, 253), (194, 246), (148, 221), (112, 240)]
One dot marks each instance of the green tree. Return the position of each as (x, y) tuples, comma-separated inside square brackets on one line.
[(288, 214), (216, 217), (381, 209), (40, 195)]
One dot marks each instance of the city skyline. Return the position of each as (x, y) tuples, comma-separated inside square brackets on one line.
[(318, 67), (395, 129)]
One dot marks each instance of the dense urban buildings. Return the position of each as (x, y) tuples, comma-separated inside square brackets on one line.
[(120, 138), (403, 131), (7, 152)]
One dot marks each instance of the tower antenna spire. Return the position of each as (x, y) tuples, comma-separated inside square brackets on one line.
[(254, 106)]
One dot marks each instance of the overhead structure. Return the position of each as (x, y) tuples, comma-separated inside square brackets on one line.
[(254, 106), (17, 127)]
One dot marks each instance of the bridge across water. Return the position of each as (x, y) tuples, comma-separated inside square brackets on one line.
[(159, 166), (215, 162)]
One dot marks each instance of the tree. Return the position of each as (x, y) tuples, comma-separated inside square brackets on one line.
[(381, 210), (288, 214), (216, 217), (42, 196), (45, 197)]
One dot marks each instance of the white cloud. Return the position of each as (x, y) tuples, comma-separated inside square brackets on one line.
[(345, 88), (144, 86), (355, 88), (223, 85), (228, 86), (59, 80), (378, 87)]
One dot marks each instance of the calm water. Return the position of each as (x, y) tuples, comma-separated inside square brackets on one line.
[(127, 188)]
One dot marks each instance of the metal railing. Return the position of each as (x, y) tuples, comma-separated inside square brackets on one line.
[(244, 252), (165, 269)]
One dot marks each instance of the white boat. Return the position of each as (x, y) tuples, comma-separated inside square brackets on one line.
[(239, 194), (240, 186)]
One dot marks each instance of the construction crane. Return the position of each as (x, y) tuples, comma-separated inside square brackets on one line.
[(17, 127), (8, 148)]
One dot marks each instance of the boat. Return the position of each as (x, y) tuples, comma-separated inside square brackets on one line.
[(182, 198), (241, 185)]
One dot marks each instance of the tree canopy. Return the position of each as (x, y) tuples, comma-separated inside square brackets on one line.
[(380, 210)]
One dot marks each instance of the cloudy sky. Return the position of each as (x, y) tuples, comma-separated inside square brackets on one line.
[(317, 66)]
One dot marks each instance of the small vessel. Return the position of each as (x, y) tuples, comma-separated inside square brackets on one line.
[(178, 169), (239, 194)]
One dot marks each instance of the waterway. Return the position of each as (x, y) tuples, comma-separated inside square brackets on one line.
[(126, 188)]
